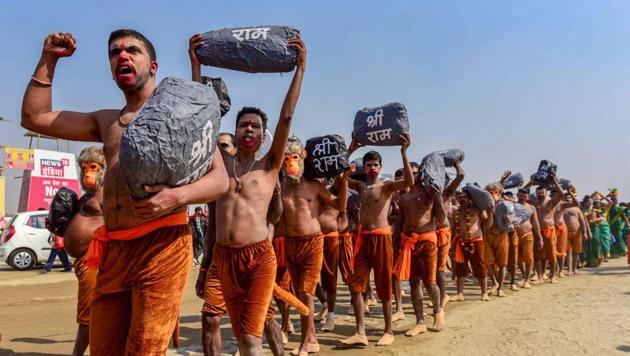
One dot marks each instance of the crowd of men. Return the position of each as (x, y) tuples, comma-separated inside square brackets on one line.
[(270, 230)]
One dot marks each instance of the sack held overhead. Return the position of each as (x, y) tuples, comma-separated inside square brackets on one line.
[(259, 49), (381, 126), (326, 156)]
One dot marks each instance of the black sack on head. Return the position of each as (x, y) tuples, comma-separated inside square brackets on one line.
[(381, 126), (480, 197), (326, 156), (564, 184), (545, 171), (260, 49), (514, 181), (222, 92), (452, 156), (172, 139), (62, 209), (432, 171)]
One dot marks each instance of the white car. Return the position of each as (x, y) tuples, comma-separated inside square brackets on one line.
[(24, 241)]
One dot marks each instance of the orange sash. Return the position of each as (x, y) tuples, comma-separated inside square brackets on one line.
[(402, 268), (560, 229), (278, 247), (359, 241), (332, 234), (444, 235), (459, 253), (102, 236), (548, 232)]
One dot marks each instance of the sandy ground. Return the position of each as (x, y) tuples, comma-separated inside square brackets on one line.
[(584, 315)]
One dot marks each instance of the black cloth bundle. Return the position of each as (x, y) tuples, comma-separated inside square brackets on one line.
[(222, 92), (63, 208), (381, 126), (258, 49), (326, 156), (546, 170), (480, 197), (514, 181), (172, 139)]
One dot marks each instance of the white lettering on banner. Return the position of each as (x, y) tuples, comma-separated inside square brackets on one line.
[(200, 155), (327, 161), (380, 135), (376, 119), (250, 33), (323, 148)]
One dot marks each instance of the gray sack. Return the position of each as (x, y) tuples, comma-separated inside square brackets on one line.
[(432, 171), (452, 156), (257, 49), (172, 139), (381, 126), (514, 181), (480, 197), (222, 92)]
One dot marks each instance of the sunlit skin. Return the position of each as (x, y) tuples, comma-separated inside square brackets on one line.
[(529, 227)]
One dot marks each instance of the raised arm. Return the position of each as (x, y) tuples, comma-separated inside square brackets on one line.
[(208, 188), (195, 65), (407, 173), (449, 192), (340, 201), (37, 114), (275, 155), (505, 176)]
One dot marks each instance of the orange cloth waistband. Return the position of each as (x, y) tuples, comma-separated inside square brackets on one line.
[(459, 253), (279, 248), (332, 234), (444, 235), (561, 228), (402, 268), (548, 232), (102, 236), (359, 241)]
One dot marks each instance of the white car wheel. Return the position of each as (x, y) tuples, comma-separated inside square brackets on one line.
[(22, 259)]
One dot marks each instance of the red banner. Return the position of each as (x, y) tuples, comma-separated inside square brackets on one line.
[(42, 190)]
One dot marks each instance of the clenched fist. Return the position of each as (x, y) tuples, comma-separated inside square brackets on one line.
[(59, 44)]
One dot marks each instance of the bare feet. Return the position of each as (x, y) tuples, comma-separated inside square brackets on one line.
[(367, 309), (493, 290), (446, 299), (310, 348), (526, 285), (430, 304), (329, 325), (485, 297), (439, 322), (371, 302), (417, 329), (500, 293), (355, 340), (459, 297), (291, 328), (514, 288), (385, 340), (321, 316), (561, 275), (285, 337), (553, 280), (399, 315)]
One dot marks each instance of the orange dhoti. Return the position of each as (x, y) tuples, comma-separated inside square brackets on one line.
[(247, 274), (213, 302), (417, 258), (373, 250), (87, 281), (562, 244), (470, 251), (305, 256), (575, 241), (496, 249), (283, 279), (330, 262), (512, 251), (345, 255), (139, 287), (526, 249), (549, 243), (443, 247)]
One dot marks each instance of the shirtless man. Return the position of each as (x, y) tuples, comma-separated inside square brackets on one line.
[(443, 231), (225, 140), (578, 230), (546, 209), (393, 217), (496, 247), (373, 248), (562, 233), (302, 202), (244, 256), (467, 225), (417, 259), (334, 226), (527, 232), (136, 301), (79, 233)]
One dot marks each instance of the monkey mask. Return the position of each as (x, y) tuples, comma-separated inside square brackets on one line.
[(92, 162), (294, 159)]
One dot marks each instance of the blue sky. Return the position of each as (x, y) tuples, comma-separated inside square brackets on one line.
[(508, 82)]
